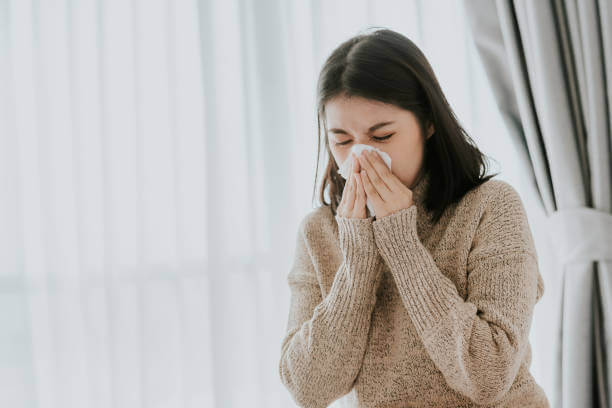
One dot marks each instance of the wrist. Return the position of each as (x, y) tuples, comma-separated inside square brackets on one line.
[(394, 230), (356, 236)]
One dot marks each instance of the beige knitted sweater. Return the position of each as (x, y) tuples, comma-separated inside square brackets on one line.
[(401, 312)]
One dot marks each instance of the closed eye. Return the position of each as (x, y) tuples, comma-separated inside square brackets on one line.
[(376, 138)]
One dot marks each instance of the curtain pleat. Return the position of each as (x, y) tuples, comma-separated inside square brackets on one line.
[(554, 92)]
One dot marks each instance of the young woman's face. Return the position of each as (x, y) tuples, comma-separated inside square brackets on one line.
[(349, 121)]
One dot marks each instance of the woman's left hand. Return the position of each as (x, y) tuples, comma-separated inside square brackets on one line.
[(386, 192)]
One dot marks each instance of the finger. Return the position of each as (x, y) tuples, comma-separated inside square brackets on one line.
[(342, 204), (356, 166), (345, 193), (360, 200), (350, 203), (391, 180), (380, 185), (371, 191), (359, 185), (381, 169), (384, 171)]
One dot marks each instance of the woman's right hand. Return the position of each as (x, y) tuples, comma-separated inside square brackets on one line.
[(353, 202)]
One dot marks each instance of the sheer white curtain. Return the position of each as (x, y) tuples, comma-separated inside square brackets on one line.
[(156, 157)]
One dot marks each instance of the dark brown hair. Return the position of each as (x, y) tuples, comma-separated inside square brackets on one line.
[(386, 66)]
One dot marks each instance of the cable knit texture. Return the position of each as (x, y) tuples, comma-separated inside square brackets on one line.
[(401, 312)]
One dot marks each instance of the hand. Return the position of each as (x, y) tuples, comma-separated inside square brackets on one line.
[(386, 192), (353, 202)]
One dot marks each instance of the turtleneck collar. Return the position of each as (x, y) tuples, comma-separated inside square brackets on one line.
[(420, 189)]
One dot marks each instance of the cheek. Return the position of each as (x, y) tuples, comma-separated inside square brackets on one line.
[(339, 155), (404, 158), (410, 149)]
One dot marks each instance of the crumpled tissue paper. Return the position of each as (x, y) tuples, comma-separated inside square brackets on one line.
[(347, 167)]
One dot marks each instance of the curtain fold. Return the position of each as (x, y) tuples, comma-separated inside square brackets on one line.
[(550, 67)]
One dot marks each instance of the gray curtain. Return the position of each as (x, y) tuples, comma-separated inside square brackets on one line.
[(550, 66)]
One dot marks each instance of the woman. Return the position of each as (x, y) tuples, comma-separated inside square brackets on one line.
[(428, 302)]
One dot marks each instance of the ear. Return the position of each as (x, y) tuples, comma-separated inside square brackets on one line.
[(430, 130)]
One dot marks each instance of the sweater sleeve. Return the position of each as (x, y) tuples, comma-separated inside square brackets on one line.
[(477, 343), (323, 348)]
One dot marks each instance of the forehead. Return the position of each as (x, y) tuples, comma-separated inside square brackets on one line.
[(359, 113)]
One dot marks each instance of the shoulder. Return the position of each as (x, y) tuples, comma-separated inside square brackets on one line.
[(501, 191), (496, 197), (317, 221), (494, 189), (502, 216)]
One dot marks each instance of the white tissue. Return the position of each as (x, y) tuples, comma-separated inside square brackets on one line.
[(347, 167)]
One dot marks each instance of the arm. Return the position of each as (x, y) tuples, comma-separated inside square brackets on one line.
[(477, 343), (325, 341)]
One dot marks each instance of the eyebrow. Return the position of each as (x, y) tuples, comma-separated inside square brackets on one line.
[(373, 128)]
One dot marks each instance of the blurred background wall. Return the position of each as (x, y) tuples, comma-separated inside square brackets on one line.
[(155, 160)]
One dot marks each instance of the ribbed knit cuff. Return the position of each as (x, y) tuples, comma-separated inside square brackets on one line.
[(427, 294), (352, 295), (356, 237)]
